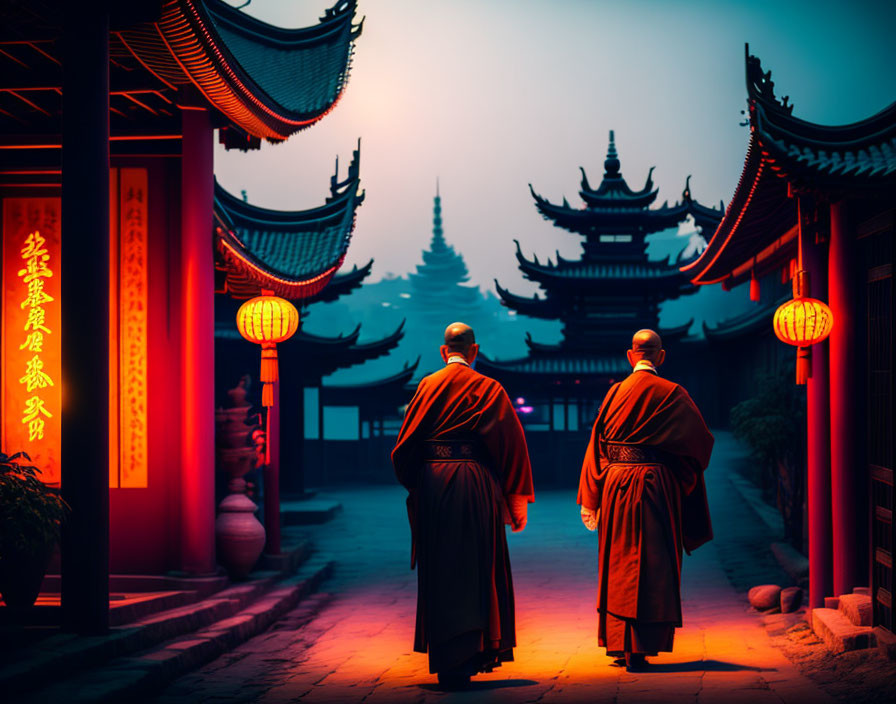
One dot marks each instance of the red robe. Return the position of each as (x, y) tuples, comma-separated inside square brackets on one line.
[(649, 510), (457, 510)]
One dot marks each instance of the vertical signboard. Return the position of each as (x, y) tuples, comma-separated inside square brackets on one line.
[(129, 331), (31, 363)]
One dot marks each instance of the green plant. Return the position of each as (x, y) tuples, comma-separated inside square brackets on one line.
[(773, 424), (30, 511)]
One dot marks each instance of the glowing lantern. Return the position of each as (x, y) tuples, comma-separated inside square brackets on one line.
[(267, 320), (802, 322)]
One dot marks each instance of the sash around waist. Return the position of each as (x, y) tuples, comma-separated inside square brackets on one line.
[(620, 453), (455, 451)]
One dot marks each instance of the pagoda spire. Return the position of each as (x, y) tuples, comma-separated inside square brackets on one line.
[(438, 235), (611, 163)]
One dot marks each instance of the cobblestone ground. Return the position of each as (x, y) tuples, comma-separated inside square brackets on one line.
[(353, 643)]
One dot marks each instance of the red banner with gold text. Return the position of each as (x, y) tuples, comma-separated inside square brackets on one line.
[(31, 351)]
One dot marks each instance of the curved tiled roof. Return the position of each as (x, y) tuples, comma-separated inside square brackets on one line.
[(303, 70), (613, 191), (615, 208), (535, 307), (565, 365), (268, 81), (341, 284), (752, 322), (380, 395), (787, 155), (293, 253)]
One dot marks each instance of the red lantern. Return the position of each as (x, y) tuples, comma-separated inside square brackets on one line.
[(267, 320), (802, 322)]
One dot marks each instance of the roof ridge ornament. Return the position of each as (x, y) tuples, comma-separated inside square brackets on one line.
[(686, 193), (760, 84), (611, 163)]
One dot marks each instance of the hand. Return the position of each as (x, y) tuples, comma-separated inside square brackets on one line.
[(589, 518), (518, 507)]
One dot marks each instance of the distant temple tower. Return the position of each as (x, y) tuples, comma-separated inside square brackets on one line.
[(439, 283), (601, 298)]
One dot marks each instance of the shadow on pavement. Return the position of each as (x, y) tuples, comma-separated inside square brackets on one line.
[(704, 665), (479, 686)]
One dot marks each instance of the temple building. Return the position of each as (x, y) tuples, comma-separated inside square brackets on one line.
[(602, 298), (125, 182), (819, 199), (290, 246)]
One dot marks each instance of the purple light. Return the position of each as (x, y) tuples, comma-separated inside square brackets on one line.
[(525, 409)]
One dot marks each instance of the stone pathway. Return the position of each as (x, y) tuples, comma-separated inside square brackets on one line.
[(353, 644)]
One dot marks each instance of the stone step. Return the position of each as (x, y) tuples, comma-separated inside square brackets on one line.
[(838, 632), (309, 512), (124, 607), (57, 656), (857, 608), (142, 673)]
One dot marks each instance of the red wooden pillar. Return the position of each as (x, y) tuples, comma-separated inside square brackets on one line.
[(844, 464), (818, 442), (85, 316), (272, 478), (197, 345)]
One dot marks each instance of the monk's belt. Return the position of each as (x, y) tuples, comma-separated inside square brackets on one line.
[(619, 453), (454, 451)]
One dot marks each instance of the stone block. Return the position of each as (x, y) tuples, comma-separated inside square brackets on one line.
[(831, 602), (857, 608), (764, 596), (886, 642), (838, 632), (862, 590), (791, 599)]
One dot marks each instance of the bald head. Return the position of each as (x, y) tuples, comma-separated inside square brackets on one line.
[(459, 337), (646, 344), (459, 340)]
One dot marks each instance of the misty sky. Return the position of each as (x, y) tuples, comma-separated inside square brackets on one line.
[(489, 95)]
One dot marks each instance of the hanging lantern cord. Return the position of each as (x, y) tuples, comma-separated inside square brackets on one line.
[(801, 290)]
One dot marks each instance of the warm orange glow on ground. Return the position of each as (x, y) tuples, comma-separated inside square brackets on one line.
[(353, 642), (31, 350)]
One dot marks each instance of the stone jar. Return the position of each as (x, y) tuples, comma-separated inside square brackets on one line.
[(239, 535)]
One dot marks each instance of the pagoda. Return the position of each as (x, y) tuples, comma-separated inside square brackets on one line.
[(602, 298), (442, 276)]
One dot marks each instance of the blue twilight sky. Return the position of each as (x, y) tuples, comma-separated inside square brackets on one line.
[(489, 95)]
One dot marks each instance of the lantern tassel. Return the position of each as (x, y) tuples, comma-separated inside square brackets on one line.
[(268, 363), (754, 287), (803, 365)]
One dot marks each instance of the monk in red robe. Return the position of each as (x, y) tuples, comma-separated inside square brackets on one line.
[(642, 488), (462, 456)]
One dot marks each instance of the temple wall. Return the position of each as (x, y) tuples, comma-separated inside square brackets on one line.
[(145, 515)]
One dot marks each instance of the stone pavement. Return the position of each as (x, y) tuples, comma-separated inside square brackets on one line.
[(354, 643)]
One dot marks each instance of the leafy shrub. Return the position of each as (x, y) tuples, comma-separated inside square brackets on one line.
[(30, 511), (773, 424)]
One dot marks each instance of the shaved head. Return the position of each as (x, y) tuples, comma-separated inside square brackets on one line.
[(646, 344), (459, 338)]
